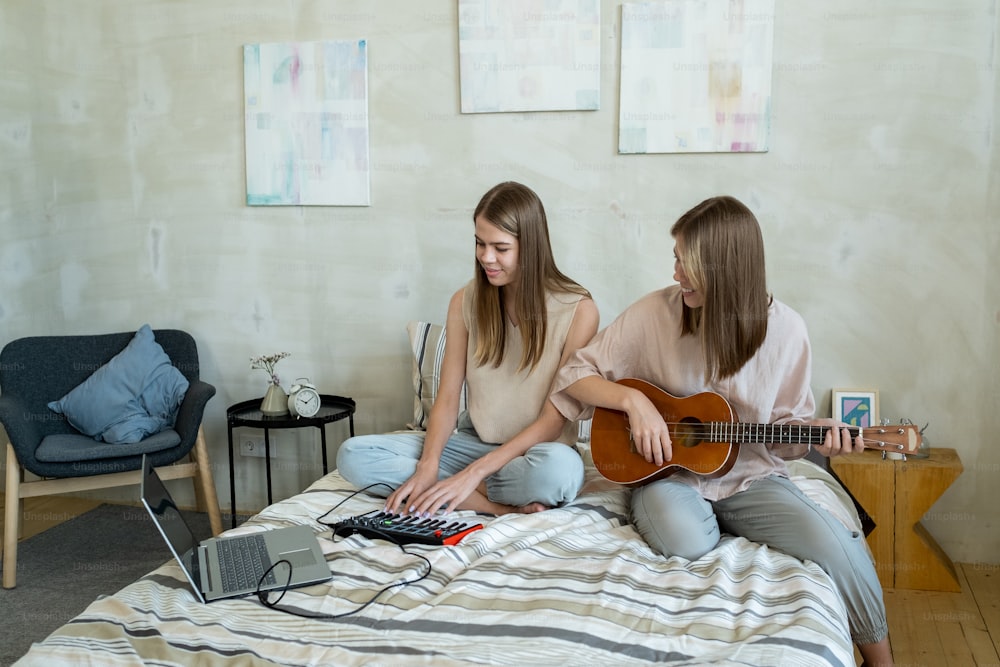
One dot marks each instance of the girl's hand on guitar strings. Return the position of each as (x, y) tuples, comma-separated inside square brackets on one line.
[(838, 439), (647, 430)]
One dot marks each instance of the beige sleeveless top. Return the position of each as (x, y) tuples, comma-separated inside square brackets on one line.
[(504, 401)]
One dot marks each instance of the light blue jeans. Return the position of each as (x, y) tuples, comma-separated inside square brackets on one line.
[(550, 473), (676, 521)]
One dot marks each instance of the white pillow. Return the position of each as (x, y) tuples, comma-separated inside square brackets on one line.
[(427, 341)]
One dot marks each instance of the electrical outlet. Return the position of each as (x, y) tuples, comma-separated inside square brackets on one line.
[(252, 445)]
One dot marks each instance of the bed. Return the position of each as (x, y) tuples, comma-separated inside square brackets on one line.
[(570, 586), (575, 585)]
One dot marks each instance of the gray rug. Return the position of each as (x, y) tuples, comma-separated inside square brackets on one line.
[(63, 569)]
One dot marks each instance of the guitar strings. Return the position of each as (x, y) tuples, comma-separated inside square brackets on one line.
[(815, 435)]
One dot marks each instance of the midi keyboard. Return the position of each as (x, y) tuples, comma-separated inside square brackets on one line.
[(406, 529)]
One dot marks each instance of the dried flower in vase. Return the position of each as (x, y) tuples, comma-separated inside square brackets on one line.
[(267, 363)]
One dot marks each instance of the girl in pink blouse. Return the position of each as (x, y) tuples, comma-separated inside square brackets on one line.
[(719, 330)]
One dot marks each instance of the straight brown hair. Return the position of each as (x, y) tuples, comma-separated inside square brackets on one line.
[(517, 210), (723, 257)]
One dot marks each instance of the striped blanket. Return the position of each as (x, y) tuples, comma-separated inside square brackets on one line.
[(569, 586)]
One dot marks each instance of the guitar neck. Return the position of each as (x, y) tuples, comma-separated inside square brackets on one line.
[(794, 434), (748, 433)]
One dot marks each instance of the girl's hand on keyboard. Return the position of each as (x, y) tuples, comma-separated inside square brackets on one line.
[(446, 495)]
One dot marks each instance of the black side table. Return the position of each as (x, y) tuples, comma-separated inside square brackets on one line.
[(247, 413)]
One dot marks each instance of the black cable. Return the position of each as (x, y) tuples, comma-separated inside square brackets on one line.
[(327, 513), (263, 595)]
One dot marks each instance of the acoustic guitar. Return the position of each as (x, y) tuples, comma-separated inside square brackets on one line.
[(706, 435)]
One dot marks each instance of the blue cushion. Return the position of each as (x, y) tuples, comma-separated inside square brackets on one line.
[(69, 448), (135, 394)]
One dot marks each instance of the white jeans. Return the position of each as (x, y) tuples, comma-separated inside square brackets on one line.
[(550, 473)]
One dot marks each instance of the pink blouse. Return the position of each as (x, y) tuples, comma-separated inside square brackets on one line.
[(645, 342)]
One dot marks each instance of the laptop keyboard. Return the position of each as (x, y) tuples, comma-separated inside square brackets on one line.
[(243, 560)]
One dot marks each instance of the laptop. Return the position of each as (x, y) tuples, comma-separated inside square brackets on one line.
[(228, 567)]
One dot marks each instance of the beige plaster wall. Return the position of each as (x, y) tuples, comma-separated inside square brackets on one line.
[(122, 201)]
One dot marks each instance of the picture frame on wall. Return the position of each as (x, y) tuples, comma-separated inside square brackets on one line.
[(856, 407)]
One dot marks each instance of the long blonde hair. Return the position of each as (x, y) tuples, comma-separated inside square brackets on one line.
[(517, 210), (723, 257)]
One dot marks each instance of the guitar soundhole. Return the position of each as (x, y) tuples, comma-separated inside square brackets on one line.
[(688, 433)]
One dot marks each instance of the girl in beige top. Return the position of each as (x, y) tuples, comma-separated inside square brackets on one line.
[(508, 331)]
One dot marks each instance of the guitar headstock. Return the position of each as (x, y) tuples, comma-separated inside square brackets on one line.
[(899, 438)]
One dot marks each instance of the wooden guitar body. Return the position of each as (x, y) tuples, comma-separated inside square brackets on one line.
[(617, 459)]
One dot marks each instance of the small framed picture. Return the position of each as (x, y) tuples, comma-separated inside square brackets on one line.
[(856, 407)]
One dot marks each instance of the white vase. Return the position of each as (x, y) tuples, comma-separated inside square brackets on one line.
[(275, 402)]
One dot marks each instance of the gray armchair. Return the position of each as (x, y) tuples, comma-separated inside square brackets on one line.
[(40, 369)]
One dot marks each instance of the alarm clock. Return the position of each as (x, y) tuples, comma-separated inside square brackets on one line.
[(303, 399)]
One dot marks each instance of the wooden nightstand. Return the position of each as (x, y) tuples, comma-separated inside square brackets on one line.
[(896, 494)]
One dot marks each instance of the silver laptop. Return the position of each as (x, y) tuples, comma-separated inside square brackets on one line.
[(229, 567)]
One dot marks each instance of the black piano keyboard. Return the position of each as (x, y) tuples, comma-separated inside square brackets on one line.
[(406, 529)]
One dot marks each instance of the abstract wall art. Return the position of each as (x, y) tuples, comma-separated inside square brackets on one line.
[(306, 107), (525, 55), (696, 76)]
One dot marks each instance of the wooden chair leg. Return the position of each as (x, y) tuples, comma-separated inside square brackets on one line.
[(11, 519), (204, 487)]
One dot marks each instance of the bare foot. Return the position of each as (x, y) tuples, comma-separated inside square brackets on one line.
[(531, 508), (478, 502)]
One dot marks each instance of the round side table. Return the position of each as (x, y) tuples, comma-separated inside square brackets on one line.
[(248, 414)]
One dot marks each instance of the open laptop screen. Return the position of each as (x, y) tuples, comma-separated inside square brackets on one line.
[(171, 522)]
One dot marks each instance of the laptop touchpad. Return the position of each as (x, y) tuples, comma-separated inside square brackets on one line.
[(299, 557)]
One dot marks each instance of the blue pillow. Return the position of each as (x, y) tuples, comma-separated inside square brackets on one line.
[(137, 393)]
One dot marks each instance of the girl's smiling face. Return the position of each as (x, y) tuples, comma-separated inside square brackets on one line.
[(496, 252), (692, 297)]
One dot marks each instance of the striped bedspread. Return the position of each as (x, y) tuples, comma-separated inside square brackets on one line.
[(570, 586)]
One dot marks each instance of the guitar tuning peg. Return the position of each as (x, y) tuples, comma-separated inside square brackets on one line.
[(884, 421)]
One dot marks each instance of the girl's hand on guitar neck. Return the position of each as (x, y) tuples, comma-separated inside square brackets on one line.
[(838, 440), (647, 430)]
